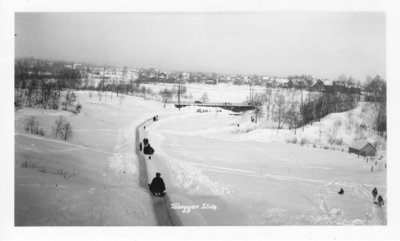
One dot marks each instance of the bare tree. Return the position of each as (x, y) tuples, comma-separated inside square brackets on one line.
[(55, 99), (29, 94), (166, 95), (66, 132), (350, 120), (335, 128), (291, 116), (320, 107), (58, 126), (257, 103), (280, 104), (30, 124), (67, 101), (268, 100), (204, 97)]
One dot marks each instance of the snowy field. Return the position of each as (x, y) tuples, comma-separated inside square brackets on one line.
[(242, 175), (216, 93)]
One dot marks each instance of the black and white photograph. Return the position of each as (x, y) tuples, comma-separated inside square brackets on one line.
[(200, 118)]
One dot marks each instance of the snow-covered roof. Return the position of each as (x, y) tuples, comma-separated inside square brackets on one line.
[(359, 144), (282, 81), (315, 81)]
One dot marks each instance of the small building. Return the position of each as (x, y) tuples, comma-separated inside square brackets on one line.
[(362, 148), (211, 82), (317, 85), (297, 83), (162, 76), (282, 83)]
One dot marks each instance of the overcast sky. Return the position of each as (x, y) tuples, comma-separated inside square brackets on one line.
[(324, 45)]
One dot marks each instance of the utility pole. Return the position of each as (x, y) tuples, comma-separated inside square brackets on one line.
[(301, 106), (102, 86), (251, 101), (179, 91)]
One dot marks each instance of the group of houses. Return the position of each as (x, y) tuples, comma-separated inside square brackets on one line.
[(94, 76), (315, 85), (154, 75)]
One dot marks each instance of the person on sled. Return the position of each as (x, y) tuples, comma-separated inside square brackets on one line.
[(157, 186), (380, 201), (374, 192)]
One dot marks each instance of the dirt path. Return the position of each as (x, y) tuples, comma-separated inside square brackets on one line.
[(164, 215)]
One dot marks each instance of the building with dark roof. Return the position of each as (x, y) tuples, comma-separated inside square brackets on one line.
[(362, 148)]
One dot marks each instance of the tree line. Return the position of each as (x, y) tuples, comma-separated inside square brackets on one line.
[(296, 108)]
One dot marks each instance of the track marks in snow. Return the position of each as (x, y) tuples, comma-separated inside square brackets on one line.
[(274, 177), (254, 174)]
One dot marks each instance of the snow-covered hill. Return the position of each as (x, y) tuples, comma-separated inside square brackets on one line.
[(248, 171), (216, 157), (336, 130), (90, 180)]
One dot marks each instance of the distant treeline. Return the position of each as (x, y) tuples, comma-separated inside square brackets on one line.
[(286, 108)]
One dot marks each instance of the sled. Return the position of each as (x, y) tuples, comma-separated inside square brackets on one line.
[(148, 150), (155, 194), (377, 203)]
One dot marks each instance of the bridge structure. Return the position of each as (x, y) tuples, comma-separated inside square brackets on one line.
[(236, 107)]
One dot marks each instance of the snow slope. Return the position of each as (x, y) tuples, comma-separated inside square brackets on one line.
[(206, 158), (219, 169), (90, 180), (319, 133)]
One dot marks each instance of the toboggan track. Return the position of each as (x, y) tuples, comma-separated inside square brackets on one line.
[(164, 215)]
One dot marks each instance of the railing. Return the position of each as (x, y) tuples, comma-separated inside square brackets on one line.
[(185, 103)]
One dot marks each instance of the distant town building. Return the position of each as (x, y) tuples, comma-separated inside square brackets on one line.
[(282, 82), (317, 85), (211, 82), (162, 76)]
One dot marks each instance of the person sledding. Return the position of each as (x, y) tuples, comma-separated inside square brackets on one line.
[(380, 201), (341, 192), (157, 186), (147, 149), (374, 192)]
